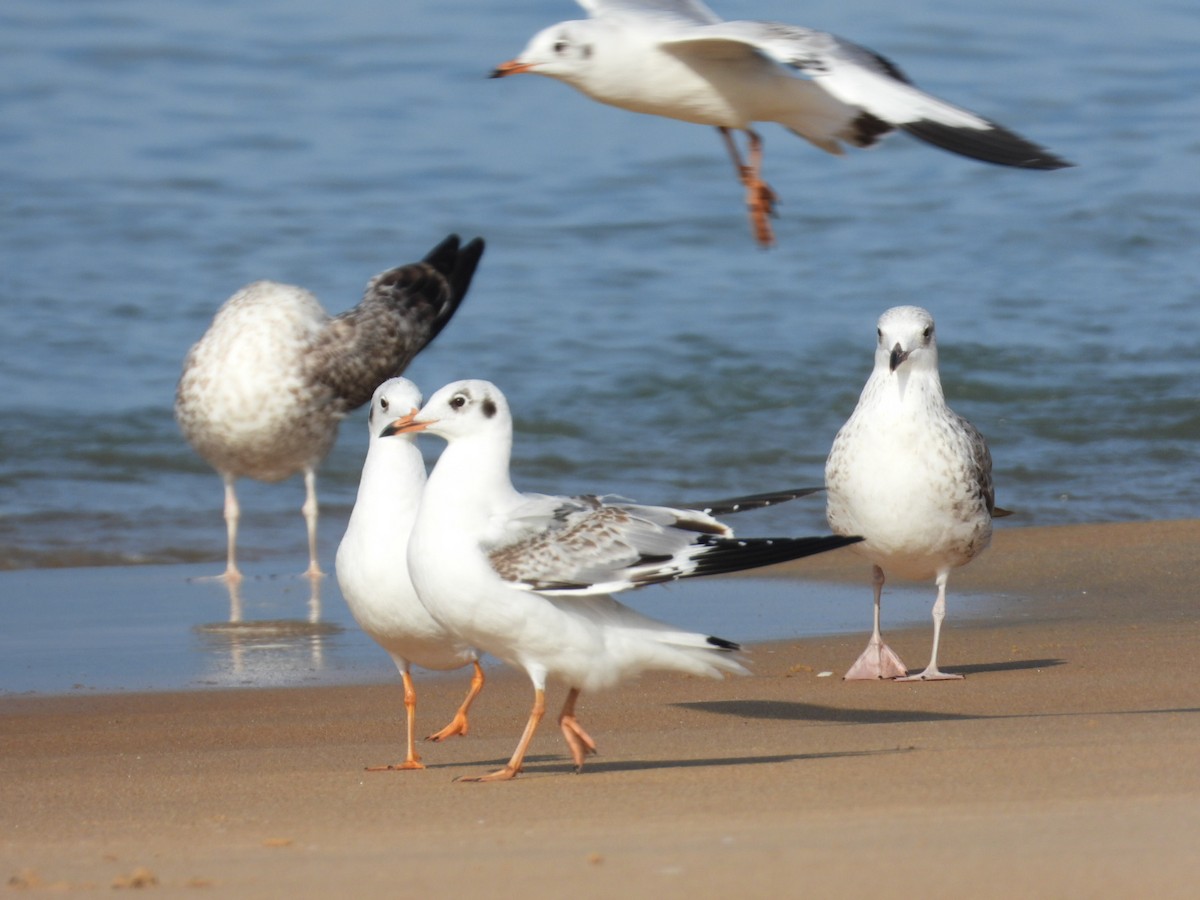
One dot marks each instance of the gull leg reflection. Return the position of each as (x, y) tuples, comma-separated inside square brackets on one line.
[(249, 651)]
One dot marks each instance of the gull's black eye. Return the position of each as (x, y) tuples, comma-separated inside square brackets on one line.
[(879, 333), (458, 401), (927, 333), (383, 404), (560, 45)]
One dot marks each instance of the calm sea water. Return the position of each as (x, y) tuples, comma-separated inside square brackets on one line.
[(154, 157)]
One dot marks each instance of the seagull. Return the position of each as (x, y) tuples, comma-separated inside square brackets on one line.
[(263, 391), (912, 477), (528, 577), (372, 567), (678, 59)]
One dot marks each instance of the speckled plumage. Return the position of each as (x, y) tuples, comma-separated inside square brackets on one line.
[(263, 391), (909, 475)]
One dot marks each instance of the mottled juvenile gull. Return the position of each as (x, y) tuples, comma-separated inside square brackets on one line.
[(263, 391), (372, 566), (526, 577), (678, 59), (912, 477)]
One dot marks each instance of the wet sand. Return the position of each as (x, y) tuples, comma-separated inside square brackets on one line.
[(1066, 764)]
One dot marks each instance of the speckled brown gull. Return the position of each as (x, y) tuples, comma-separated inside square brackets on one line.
[(677, 58), (912, 477), (527, 577), (263, 391), (372, 564)]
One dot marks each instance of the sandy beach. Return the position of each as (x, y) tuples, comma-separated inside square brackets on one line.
[(1066, 764)]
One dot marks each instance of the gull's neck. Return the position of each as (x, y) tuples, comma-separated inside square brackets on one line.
[(471, 479)]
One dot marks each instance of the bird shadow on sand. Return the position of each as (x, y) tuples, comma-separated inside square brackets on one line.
[(787, 710), (1014, 665), (556, 765)]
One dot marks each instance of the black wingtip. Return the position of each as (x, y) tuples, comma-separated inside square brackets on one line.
[(732, 505), (729, 555), (996, 145), (722, 644)]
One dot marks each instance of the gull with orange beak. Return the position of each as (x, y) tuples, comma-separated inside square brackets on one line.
[(912, 477), (528, 577), (678, 59)]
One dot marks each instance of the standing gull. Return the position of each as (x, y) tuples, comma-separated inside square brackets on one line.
[(526, 577), (678, 59), (372, 567), (912, 477), (263, 391)]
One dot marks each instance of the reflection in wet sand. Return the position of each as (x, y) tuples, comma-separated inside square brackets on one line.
[(266, 651)]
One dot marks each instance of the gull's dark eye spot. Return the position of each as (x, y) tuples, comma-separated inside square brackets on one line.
[(560, 46), (458, 401), (383, 404), (879, 333), (489, 407), (927, 333)]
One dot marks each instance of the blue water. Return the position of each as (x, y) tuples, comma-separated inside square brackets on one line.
[(154, 157)]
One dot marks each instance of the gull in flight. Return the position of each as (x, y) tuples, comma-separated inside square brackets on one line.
[(528, 577), (263, 391), (912, 477), (372, 565), (678, 59)]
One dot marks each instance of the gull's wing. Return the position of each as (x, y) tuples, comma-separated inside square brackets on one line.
[(869, 82), (402, 310), (684, 11), (587, 545), (732, 505)]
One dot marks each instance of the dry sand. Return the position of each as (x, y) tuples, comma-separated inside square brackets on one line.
[(1067, 764)]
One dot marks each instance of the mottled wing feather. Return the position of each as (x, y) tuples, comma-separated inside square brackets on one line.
[(402, 310), (981, 460), (586, 541)]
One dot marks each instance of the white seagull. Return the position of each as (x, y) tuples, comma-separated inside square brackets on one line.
[(678, 59), (263, 391), (912, 477), (526, 577), (372, 564)]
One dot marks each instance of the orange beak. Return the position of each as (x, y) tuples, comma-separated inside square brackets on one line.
[(405, 425), (512, 67)]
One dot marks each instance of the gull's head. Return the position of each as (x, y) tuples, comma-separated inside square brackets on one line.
[(460, 409), (906, 339), (395, 397), (561, 51)]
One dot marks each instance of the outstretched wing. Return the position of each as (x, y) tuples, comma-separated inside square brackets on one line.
[(871, 83)]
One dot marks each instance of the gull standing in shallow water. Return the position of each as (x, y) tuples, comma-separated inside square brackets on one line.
[(526, 577), (263, 391), (912, 477), (372, 566), (678, 59)]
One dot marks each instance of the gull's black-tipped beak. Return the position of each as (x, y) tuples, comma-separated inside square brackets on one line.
[(404, 425), (512, 67), (899, 355)]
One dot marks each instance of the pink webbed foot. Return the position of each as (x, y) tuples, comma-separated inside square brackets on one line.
[(878, 661)]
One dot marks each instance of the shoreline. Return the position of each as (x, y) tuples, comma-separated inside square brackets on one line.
[(1063, 765)]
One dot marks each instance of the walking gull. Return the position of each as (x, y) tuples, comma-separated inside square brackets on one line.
[(526, 577), (372, 566), (678, 59), (912, 477), (263, 391)]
